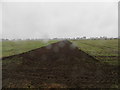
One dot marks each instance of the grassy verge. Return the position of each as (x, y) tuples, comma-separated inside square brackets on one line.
[(15, 47), (104, 50)]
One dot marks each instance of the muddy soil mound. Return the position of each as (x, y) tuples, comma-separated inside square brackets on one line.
[(58, 65)]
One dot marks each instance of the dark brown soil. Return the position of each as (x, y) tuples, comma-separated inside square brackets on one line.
[(59, 65)]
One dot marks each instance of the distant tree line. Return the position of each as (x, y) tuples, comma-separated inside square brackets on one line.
[(77, 38)]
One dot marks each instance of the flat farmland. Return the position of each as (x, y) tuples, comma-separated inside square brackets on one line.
[(104, 50), (60, 64), (16, 47)]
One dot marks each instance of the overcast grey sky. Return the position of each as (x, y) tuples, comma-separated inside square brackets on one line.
[(59, 19)]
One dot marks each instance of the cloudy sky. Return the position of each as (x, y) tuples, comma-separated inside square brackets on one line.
[(59, 19)]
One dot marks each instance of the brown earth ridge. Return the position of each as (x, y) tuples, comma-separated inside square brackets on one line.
[(58, 65)]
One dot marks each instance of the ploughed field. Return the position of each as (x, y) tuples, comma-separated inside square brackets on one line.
[(63, 64), (103, 50)]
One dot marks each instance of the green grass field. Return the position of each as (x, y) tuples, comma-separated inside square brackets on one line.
[(99, 47), (104, 50), (16, 47)]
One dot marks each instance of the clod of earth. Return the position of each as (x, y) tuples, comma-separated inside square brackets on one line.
[(59, 65)]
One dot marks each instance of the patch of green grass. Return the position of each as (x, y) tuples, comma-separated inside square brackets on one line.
[(110, 60), (98, 47), (15, 47)]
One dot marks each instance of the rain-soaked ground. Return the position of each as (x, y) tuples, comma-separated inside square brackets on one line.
[(58, 65)]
